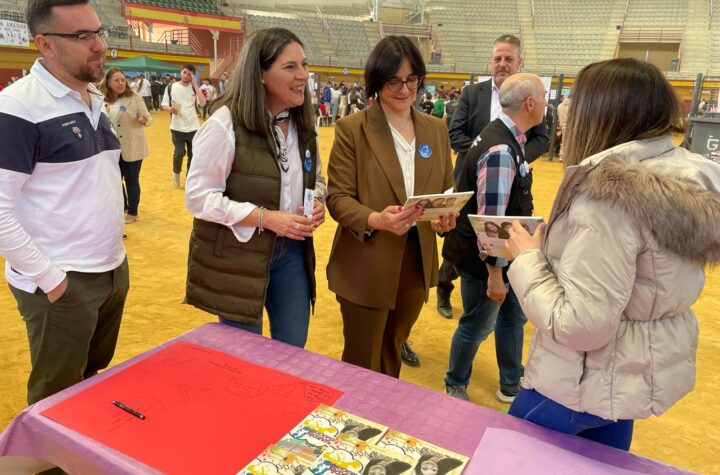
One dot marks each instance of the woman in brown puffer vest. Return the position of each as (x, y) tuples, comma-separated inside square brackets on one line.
[(255, 165)]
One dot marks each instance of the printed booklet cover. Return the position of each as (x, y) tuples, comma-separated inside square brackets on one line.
[(276, 461), (349, 455), (440, 204), (492, 231), (330, 441), (333, 422), (428, 458)]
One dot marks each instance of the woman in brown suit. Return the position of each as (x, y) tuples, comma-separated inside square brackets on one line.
[(383, 262)]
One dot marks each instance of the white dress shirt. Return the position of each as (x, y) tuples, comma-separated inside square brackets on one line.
[(213, 157), (495, 107)]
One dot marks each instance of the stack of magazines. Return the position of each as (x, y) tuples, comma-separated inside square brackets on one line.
[(331, 441)]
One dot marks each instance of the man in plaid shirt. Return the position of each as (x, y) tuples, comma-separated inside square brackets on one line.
[(496, 170)]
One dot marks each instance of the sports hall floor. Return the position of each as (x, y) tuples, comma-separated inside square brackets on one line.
[(686, 436)]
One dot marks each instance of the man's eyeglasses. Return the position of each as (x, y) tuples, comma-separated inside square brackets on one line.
[(83, 36), (396, 84)]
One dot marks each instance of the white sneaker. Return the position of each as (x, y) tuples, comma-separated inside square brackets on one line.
[(176, 180), (504, 396)]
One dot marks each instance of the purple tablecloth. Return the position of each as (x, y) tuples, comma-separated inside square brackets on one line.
[(434, 417)]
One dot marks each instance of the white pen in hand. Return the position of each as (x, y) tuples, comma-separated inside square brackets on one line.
[(129, 410)]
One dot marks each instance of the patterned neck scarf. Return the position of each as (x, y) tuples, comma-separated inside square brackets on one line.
[(280, 145)]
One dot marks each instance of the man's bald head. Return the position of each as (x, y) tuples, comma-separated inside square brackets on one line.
[(517, 88), (522, 97)]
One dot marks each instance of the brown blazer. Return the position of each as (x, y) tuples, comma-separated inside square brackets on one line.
[(364, 175)]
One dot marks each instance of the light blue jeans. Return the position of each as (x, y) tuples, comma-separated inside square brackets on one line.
[(288, 295)]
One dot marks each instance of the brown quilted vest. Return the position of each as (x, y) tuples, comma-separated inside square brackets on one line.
[(227, 277)]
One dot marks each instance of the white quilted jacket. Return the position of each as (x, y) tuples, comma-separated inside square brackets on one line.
[(610, 292)]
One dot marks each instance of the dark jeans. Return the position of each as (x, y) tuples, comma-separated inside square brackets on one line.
[(156, 101), (480, 317), (446, 276), (181, 141), (130, 172), (509, 334), (148, 102), (534, 407), (206, 109), (74, 337), (288, 295)]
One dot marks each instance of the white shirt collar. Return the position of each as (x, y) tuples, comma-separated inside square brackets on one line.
[(53, 84)]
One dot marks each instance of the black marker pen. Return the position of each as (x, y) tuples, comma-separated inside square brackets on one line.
[(129, 410)]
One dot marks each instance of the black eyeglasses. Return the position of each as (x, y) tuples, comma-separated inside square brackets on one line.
[(396, 84), (83, 36)]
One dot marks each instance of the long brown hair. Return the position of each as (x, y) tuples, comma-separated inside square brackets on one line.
[(107, 91), (615, 102), (246, 97)]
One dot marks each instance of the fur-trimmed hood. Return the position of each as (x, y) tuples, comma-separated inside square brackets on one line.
[(678, 204)]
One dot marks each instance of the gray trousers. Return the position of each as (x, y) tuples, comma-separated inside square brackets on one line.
[(74, 337)]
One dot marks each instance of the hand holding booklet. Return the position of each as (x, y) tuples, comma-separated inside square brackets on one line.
[(440, 204), (492, 231)]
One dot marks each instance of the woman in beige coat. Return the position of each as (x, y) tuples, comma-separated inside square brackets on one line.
[(609, 289), (129, 115)]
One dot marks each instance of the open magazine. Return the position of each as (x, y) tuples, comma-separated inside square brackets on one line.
[(492, 232), (440, 204)]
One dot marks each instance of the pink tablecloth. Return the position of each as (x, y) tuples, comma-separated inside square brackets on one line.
[(447, 422)]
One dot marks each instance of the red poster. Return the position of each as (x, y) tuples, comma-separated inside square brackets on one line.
[(197, 410)]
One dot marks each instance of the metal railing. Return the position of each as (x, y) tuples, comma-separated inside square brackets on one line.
[(327, 29)]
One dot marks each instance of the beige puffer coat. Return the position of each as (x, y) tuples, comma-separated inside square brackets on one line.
[(610, 293)]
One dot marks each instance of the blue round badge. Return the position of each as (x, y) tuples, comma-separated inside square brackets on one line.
[(424, 150), (123, 108), (308, 161)]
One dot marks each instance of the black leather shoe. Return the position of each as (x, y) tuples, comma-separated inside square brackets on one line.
[(443, 303), (408, 356)]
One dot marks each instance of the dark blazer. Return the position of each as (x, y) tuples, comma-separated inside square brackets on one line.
[(473, 115), (364, 175)]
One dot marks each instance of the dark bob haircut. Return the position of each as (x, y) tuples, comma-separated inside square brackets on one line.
[(387, 57)]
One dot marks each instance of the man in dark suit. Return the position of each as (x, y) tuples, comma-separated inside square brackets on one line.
[(479, 105), (157, 88)]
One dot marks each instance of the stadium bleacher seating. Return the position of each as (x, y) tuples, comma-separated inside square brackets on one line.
[(559, 36)]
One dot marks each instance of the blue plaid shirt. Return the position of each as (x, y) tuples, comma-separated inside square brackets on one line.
[(495, 176)]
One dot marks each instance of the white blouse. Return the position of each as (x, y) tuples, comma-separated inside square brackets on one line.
[(406, 155), (213, 157)]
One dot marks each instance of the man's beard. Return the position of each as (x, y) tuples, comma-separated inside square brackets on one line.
[(87, 73)]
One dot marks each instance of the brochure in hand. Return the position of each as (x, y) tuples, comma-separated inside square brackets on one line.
[(492, 232), (428, 458), (440, 204)]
